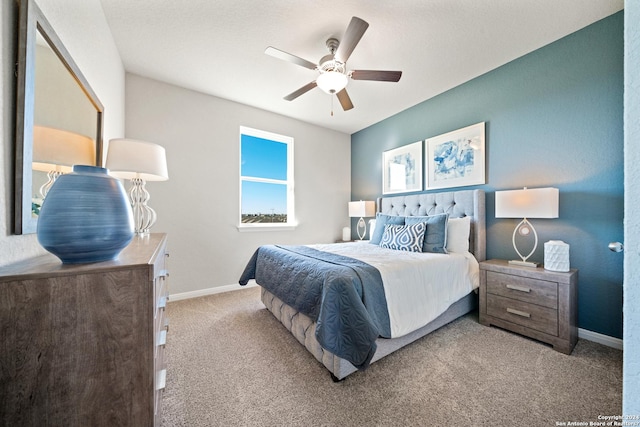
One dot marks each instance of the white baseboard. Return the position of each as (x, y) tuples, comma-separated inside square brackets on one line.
[(600, 338), (582, 333), (210, 291)]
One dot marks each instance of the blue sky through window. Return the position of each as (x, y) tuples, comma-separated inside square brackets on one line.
[(263, 198), (263, 158), (264, 176)]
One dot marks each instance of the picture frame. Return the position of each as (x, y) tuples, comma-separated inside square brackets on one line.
[(456, 159), (402, 169)]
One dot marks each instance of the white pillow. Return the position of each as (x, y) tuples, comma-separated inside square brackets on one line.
[(372, 227), (458, 234)]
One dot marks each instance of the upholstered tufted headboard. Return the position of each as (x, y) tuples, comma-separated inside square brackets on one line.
[(455, 203)]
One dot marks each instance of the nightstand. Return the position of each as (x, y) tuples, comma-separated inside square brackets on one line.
[(534, 302)]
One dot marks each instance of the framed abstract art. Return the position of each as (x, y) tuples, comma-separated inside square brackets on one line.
[(402, 169), (456, 159)]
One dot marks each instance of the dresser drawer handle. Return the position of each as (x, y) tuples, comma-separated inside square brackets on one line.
[(518, 288), (166, 324), (162, 302), (518, 312), (163, 273), (161, 379), (162, 338)]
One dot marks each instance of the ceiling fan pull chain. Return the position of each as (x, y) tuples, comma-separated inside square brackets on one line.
[(331, 105)]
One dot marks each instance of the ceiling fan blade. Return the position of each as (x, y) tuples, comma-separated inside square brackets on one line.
[(351, 37), (344, 99), (304, 89), (377, 75), (277, 53)]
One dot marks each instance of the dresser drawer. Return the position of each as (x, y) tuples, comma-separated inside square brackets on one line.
[(529, 315), (540, 292)]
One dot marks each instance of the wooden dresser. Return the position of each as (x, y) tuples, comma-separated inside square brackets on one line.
[(535, 302), (83, 345)]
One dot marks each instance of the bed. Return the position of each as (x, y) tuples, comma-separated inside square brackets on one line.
[(341, 300)]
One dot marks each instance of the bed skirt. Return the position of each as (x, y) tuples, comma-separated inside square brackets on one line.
[(303, 328)]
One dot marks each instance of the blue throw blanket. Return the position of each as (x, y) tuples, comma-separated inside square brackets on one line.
[(343, 295)]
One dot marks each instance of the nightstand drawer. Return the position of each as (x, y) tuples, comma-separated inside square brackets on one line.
[(532, 316), (540, 292)]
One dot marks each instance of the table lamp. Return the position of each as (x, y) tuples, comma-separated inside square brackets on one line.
[(138, 161), (362, 209), (527, 203)]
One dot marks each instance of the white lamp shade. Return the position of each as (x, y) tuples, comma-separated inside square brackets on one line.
[(130, 158), (527, 203), (57, 149), (332, 81), (362, 209)]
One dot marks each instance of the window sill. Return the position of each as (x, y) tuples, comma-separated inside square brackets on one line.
[(265, 227)]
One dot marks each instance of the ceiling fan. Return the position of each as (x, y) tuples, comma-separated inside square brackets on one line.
[(333, 77)]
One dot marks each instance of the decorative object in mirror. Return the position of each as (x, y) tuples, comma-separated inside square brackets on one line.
[(51, 93), (138, 161), (85, 217), (55, 151)]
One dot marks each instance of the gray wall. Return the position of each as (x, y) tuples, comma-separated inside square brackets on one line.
[(631, 362), (554, 118), (199, 205), (83, 30)]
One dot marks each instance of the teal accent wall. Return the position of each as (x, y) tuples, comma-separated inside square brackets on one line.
[(553, 117)]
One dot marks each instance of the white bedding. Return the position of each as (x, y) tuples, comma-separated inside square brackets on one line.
[(418, 286)]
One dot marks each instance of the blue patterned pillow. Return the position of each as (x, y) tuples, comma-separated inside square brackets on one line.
[(404, 237), (435, 238), (381, 221)]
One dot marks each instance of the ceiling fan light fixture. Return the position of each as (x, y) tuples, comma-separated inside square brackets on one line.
[(332, 81)]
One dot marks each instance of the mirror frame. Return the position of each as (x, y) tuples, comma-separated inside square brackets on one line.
[(31, 22)]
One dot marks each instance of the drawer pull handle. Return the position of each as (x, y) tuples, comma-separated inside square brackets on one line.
[(161, 379), (163, 273), (162, 302), (518, 312), (518, 288), (162, 338)]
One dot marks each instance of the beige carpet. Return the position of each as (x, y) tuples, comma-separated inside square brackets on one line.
[(230, 363)]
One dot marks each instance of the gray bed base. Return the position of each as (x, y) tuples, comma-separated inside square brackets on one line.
[(304, 329), (457, 204)]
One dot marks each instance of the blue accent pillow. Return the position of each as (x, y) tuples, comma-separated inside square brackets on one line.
[(404, 237), (435, 238), (381, 221)]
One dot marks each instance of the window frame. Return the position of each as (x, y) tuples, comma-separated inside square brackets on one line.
[(289, 182)]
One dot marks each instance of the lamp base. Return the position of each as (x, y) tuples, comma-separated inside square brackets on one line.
[(143, 216), (524, 263), (362, 228)]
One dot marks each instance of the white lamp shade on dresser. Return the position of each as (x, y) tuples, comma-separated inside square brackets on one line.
[(131, 158)]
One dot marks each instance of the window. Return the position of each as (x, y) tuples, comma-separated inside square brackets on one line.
[(266, 180)]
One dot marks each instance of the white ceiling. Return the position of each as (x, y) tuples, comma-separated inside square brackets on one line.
[(217, 46)]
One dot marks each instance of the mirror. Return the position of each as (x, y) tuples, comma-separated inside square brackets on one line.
[(59, 117)]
